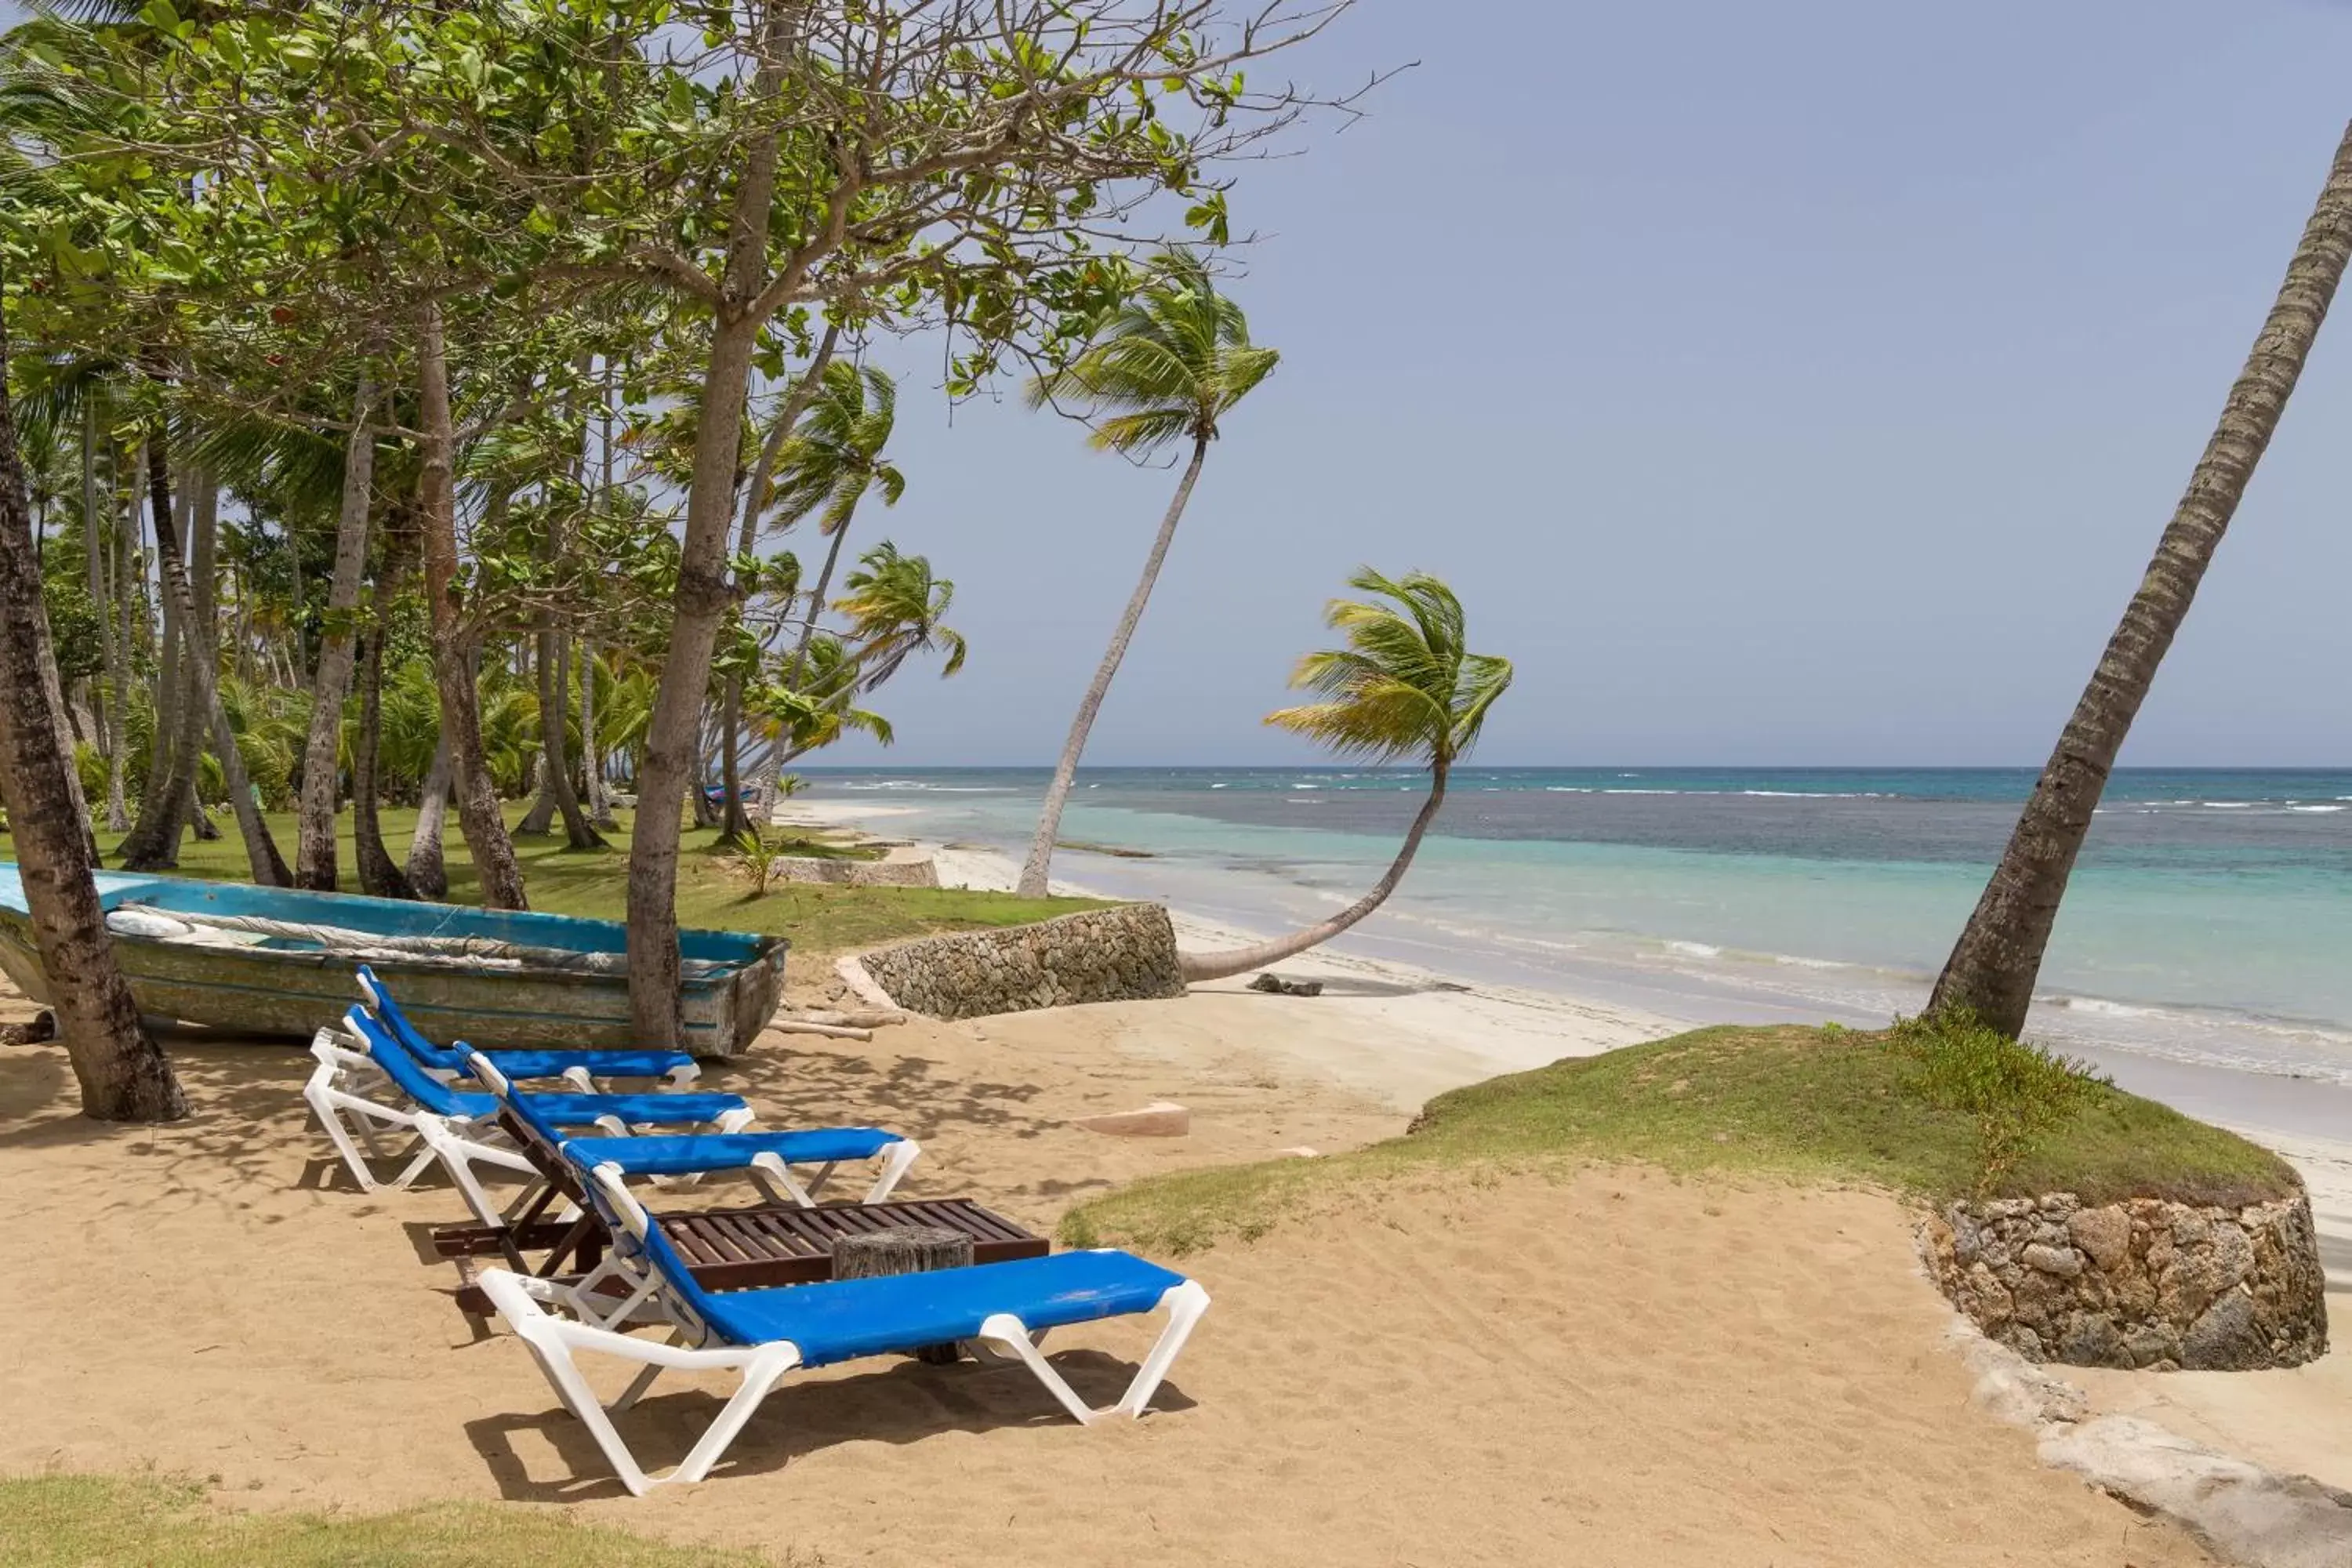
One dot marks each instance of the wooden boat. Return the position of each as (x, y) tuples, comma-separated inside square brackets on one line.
[(273, 962)]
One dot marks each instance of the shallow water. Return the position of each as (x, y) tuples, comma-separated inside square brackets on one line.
[(2208, 920)]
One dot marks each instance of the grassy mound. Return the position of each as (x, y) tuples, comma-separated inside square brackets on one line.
[(66, 1522), (1933, 1113), (712, 890)]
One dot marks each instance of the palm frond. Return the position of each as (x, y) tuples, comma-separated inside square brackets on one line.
[(1405, 685)]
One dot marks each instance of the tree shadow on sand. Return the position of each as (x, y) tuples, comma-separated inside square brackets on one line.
[(904, 1403), (243, 1132)]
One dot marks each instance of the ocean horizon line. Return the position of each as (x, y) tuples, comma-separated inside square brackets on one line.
[(1410, 769)]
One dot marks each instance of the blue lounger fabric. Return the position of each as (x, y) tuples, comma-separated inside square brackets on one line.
[(515, 1064), (692, 1153), (557, 1110), (844, 1318)]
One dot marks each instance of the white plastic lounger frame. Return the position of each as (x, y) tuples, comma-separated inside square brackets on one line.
[(773, 1176), (522, 1302), (352, 1120)]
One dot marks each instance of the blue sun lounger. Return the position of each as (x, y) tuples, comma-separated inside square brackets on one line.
[(766, 1157), (347, 1089), (1001, 1311), (461, 1129), (585, 1071)]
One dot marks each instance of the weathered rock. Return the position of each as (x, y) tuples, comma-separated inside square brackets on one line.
[(2143, 1284), (1122, 954), (1274, 985), (2063, 1261), (2104, 1234), (1161, 1119), (2226, 1338)]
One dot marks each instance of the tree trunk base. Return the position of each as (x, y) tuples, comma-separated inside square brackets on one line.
[(906, 1249)]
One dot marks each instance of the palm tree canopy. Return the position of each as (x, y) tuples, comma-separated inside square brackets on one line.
[(897, 606), (1406, 685), (836, 454), (1165, 365)]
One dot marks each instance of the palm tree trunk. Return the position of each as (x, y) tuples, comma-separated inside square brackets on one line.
[(314, 852), (380, 875), (62, 715), (592, 756), (1199, 966), (461, 717), (153, 844), (427, 872), (105, 707), (1033, 871), (772, 766), (735, 826), (555, 762), (195, 717), (1994, 964), (121, 1075), (118, 812), (199, 658)]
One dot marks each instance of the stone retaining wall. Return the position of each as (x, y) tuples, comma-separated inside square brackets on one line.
[(2140, 1284), (1122, 954), (855, 873)]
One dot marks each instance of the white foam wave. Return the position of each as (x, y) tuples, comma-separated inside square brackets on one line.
[(2318, 808), (2102, 1007), (1695, 949), (1815, 793)]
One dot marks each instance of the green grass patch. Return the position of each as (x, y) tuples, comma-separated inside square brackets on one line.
[(714, 887), (1890, 1109), (73, 1522)]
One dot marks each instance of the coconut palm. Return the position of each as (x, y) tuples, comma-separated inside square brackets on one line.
[(898, 607), (1169, 365), (832, 460), (1405, 686), (1994, 963), (831, 463)]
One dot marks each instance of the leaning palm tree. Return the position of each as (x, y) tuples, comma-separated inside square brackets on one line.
[(898, 607), (1994, 964), (1169, 365), (1405, 686), (831, 463)]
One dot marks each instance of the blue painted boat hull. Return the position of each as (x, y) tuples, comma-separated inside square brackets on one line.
[(292, 989)]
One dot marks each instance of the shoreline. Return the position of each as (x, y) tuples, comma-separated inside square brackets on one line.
[(1458, 1029)]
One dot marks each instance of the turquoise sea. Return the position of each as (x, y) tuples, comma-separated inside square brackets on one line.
[(2208, 923)]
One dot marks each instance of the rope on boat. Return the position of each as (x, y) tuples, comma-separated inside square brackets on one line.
[(473, 951)]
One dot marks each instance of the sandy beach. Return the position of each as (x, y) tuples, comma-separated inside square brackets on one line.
[(1604, 1366), (1595, 1365)]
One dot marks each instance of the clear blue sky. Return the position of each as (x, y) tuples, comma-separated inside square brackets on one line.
[(1789, 383)]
